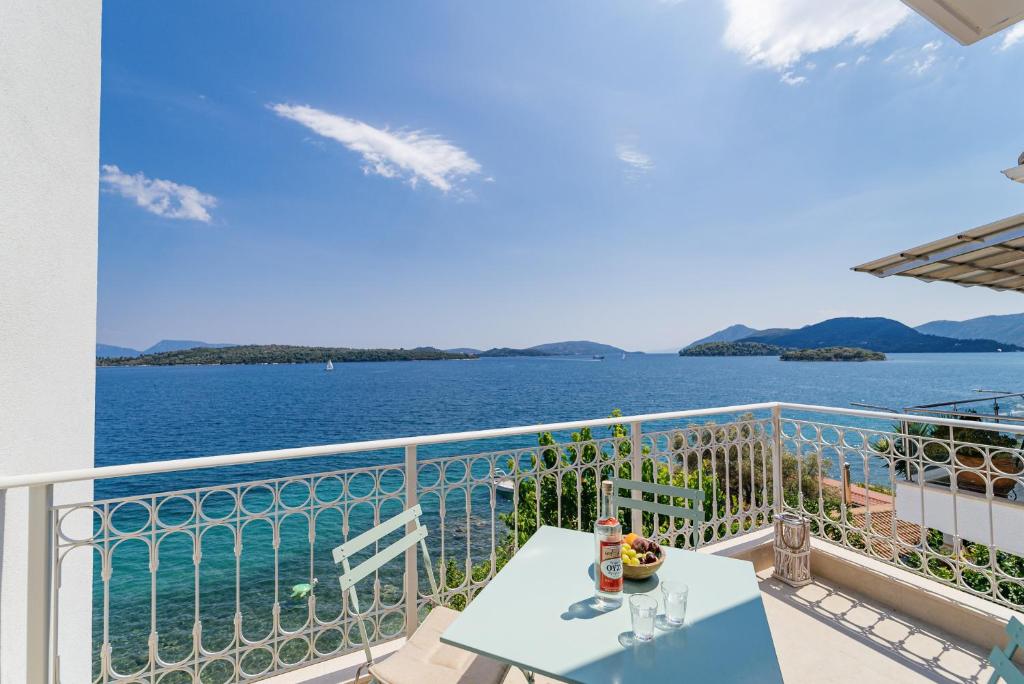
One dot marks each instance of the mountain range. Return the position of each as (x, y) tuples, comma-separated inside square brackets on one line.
[(1008, 328), (875, 334), (110, 351), (567, 348), (734, 333)]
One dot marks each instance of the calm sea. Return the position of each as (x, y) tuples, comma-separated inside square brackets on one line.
[(159, 413)]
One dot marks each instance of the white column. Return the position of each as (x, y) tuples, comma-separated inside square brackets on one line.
[(49, 164)]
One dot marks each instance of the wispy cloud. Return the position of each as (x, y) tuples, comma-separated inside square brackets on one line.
[(1013, 36), (791, 79), (158, 196), (637, 163), (921, 65), (917, 62), (778, 33), (413, 156)]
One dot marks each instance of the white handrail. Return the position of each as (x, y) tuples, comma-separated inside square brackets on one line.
[(156, 467), (905, 417)]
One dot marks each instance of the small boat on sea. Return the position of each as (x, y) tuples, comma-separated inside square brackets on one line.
[(598, 357), (329, 366), (503, 484)]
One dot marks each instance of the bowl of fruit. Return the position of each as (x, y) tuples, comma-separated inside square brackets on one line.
[(641, 557)]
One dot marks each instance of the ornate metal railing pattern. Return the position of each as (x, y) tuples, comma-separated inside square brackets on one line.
[(931, 499), (197, 584), (247, 544), (235, 582), (731, 462)]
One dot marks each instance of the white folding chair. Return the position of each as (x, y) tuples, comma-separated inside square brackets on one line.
[(423, 659), (694, 497)]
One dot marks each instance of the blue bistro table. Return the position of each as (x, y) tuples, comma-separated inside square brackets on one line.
[(538, 614)]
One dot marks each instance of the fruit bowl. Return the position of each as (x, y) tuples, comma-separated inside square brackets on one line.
[(642, 572), (641, 557)]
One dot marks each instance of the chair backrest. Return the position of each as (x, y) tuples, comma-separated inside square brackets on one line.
[(1001, 661), (695, 497), (350, 576)]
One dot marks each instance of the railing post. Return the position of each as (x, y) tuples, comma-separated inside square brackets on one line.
[(777, 502), (412, 571), (39, 586), (636, 473), (847, 492)]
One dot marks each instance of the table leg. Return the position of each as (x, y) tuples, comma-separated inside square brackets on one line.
[(528, 675)]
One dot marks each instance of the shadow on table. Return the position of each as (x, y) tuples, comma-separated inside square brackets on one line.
[(705, 649)]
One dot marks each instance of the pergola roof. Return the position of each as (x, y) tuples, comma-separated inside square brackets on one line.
[(968, 21), (989, 256)]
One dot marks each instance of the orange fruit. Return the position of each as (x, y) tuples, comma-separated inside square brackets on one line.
[(630, 538)]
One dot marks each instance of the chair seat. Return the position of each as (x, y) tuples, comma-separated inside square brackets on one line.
[(425, 660)]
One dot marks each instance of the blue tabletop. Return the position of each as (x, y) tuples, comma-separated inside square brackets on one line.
[(538, 614)]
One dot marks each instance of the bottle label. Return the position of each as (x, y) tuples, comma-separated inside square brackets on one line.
[(611, 566)]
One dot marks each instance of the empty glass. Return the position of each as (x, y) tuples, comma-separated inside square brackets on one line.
[(676, 594), (643, 608)]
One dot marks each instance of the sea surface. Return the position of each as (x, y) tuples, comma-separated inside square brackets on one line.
[(159, 413)]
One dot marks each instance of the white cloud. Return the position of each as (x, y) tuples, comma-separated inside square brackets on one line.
[(778, 33), (410, 155), (840, 65), (1013, 36), (931, 46), (789, 78), (637, 162), (157, 196), (861, 60), (920, 66)]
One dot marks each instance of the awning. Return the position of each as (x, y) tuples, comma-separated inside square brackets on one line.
[(990, 256), (968, 21)]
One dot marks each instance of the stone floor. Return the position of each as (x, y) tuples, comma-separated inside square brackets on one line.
[(822, 633)]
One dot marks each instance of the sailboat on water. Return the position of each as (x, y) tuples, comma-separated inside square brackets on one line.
[(329, 366)]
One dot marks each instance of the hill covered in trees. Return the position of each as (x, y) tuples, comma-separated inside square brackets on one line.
[(278, 353), (832, 354), (875, 334), (732, 349)]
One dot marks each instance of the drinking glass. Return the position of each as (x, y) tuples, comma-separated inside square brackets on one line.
[(643, 608), (676, 594)]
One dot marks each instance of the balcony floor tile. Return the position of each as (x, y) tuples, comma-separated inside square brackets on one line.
[(825, 633)]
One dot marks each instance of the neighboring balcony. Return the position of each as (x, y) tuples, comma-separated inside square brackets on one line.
[(233, 580)]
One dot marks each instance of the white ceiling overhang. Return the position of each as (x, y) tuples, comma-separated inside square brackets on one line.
[(990, 256), (968, 21)]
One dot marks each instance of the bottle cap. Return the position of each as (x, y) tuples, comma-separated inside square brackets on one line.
[(606, 487)]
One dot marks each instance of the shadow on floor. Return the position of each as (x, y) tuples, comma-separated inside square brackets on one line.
[(921, 648)]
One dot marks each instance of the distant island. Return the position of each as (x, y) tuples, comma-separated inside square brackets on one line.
[(277, 353), (873, 334), (832, 354), (179, 353), (731, 349)]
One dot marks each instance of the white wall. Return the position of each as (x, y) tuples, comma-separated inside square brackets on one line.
[(971, 521), (49, 163)]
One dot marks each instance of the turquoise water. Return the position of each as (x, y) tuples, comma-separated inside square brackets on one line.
[(161, 413)]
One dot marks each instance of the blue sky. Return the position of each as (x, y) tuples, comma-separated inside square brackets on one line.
[(477, 174)]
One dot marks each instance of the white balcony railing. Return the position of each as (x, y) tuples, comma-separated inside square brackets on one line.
[(196, 584)]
